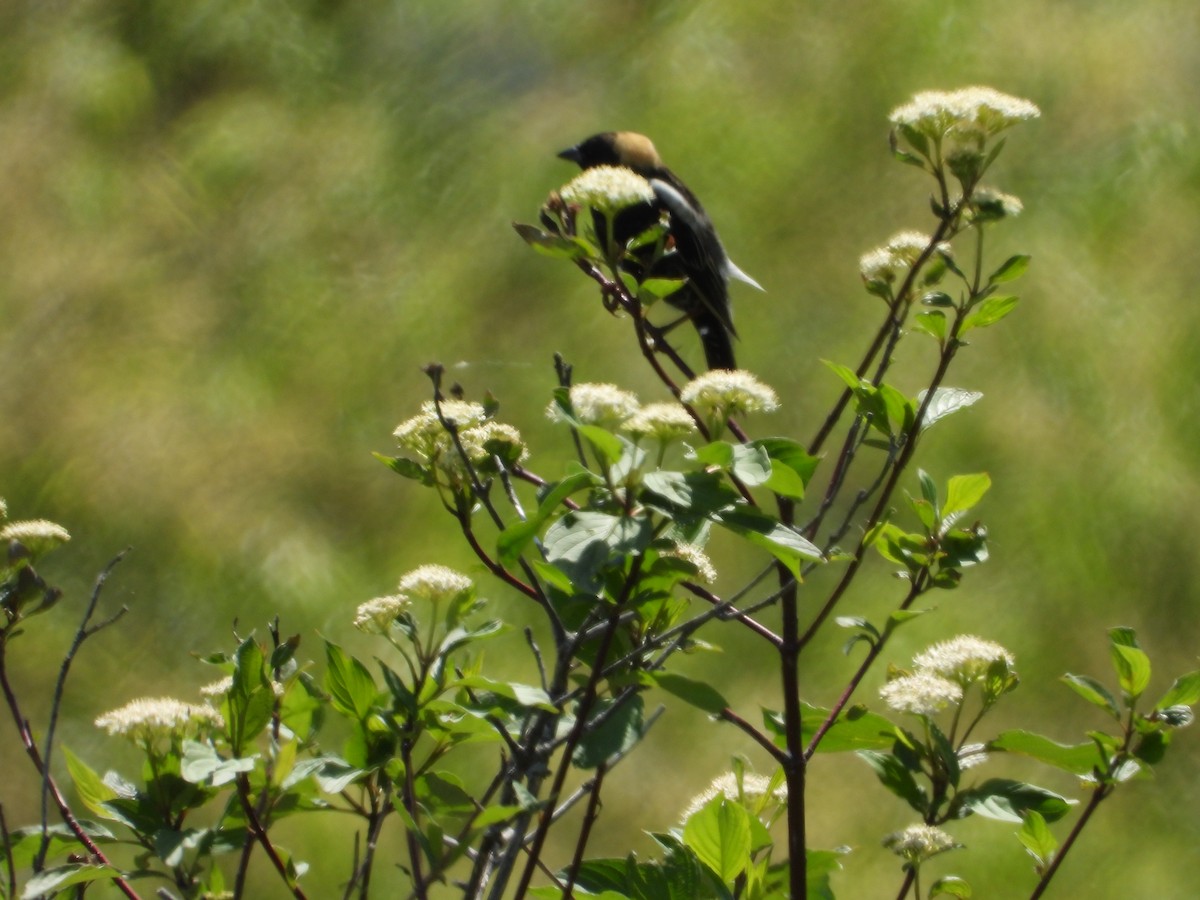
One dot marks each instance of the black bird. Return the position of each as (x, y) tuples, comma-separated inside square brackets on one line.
[(698, 253)]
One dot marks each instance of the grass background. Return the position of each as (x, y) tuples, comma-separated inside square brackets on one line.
[(232, 232)]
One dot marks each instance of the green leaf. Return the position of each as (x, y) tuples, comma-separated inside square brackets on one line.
[(202, 764), (961, 548), (1093, 692), (402, 465), (492, 815), (616, 734), (751, 464), (1130, 661), (251, 698), (932, 322), (784, 481), (946, 401), (694, 493), (350, 685), (1079, 759), (864, 631), (513, 540), (845, 373), (786, 544), (791, 466), (907, 158), (1134, 666), (929, 489), (854, 729), (963, 492), (443, 793), (524, 695), (791, 454), (1037, 839), (925, 513), (938, 299), (583, 543), (1184, 692), (52, 881), (605, 878), (697, 693), (989, 312), (896, 777), (653, 289), (901, 412), (908, 549), (820, 865), (25, 843), (548, 244), (916, 139), (1007, 800), (333, 774), (1011, 269), (683, 873), (719, 834), (606, 443), (950, 886), (1150, 748), (91, 788), (553, 576)]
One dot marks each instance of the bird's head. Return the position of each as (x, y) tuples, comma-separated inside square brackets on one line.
[(616, 148)]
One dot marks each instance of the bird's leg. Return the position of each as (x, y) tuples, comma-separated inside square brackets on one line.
[(670, 326)]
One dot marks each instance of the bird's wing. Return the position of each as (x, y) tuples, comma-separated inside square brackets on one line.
[(703, 257), (732, 271)]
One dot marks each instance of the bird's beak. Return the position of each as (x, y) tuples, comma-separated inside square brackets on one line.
[(571, 154)]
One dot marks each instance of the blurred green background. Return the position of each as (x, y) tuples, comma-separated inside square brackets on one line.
[(232, 232)]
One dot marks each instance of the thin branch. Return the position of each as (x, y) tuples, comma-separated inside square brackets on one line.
[(82, 633), (728, 715), (585, 831), (885, 496), (946, 229), (723, 610), (8, 856), (580, 727), (915, 590), (354, 851), (1093, 804), (64, 810), (256, 829)]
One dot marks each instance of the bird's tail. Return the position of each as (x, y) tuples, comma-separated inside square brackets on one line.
[(715, 339)]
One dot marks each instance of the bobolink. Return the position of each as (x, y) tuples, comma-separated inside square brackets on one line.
[(698, 254)]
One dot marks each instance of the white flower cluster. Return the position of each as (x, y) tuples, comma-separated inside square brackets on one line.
[(607, 189), (663, 422), (697, 558), (991, 204), (431, 584), (720, 393), (153, 717), (434, 583), (753, 787), (424, 436), (597, 404), (222, 686), (375, 616), (970, 112), (917, 843), (37, 536), (964, 659), (942, 673), (609, 406), (921, 693), (888, 263)]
